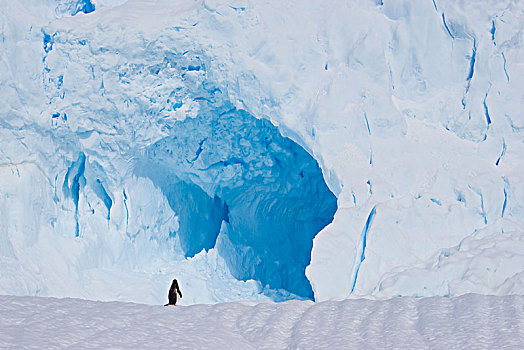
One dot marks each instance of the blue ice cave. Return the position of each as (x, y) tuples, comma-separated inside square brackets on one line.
[(235, 183), (227, 169)]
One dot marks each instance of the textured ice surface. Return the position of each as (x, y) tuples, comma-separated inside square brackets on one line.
[(466, 322), (412, 110)]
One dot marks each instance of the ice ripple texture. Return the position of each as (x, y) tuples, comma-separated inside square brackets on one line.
[(465, 322)]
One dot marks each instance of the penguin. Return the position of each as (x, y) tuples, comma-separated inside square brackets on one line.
[(172, 296)]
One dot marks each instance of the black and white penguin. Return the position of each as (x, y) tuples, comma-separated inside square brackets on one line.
[(172, 296)]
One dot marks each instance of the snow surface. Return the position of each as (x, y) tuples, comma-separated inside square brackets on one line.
[(411, 110), (466, 322)]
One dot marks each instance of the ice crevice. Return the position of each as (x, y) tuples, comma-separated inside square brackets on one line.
[(472, 63), (492, 31), (126, 207), (446, 26), (505, 203), (369, 133), (502, 153), (486, 111), (505, 71), (481, 197), (74, 180), (367, 123), (363, 239)]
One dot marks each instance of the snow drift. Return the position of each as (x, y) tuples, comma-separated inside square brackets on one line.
[(466, 322)]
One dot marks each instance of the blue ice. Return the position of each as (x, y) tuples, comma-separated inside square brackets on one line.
[(226, 166)]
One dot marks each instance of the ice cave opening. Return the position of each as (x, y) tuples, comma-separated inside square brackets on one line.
[(239, 186)]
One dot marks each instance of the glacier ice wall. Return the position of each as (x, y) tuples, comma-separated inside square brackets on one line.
[(221, 171), (413, 111)]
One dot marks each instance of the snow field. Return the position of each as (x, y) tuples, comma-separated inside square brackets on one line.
[(467, 322)]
